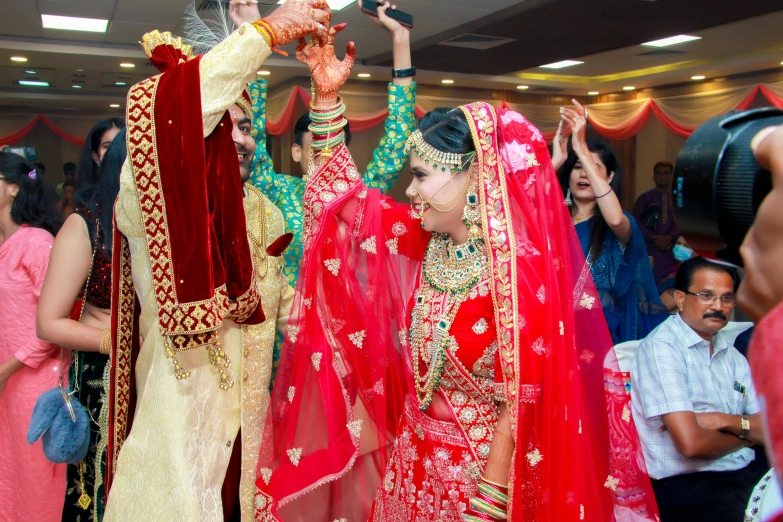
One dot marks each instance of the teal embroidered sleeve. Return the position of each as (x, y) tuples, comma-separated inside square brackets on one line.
[(390, 157), (286, 192)]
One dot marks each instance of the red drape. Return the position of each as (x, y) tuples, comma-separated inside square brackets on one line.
[(24, 131)]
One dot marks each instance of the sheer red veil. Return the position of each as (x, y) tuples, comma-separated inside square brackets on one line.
[(345, 371)]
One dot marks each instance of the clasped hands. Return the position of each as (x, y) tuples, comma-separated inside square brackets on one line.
[(290, 22)]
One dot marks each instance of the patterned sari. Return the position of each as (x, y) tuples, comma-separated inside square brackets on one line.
[(347, 437)]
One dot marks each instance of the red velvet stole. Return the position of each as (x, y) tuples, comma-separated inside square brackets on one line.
[(190, 198)]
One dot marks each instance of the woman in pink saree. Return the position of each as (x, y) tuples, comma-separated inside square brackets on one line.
[(445, 360)]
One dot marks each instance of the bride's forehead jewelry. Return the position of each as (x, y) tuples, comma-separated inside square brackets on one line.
[(431, 155)]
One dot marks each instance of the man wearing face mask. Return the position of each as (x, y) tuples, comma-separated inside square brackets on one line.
[(682, 252), (694, 403)]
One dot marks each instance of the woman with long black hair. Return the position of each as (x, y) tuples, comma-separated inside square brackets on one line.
[(31, 487), (81, 262), (97, 143), (611, 241)]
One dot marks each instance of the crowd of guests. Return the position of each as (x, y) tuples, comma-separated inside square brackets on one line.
[(693, 401)]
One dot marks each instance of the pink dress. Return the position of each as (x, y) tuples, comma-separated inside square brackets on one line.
[(31, 487)]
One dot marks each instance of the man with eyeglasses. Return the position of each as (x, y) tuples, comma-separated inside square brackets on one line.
[(694, 403)]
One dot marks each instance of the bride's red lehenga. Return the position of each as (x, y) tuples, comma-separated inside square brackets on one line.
[(349, 436)]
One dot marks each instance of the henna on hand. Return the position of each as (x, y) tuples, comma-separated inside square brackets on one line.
[(296, 19), (328, 72)]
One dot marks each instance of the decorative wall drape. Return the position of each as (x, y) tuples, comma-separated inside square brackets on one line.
[(614, 120), (11, 139)]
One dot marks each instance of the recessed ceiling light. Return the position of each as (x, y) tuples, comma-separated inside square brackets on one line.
[(629, 88), (522, 87), (33, 83), (334, 5), (363, 75), (593, 93), (672, 40), (698, 77), (71, 23), (18, 59), (561, 65), (264, 73), (121, 84), (447, 81), (115, 105), (128, 65), (76, 86), (30, 72)]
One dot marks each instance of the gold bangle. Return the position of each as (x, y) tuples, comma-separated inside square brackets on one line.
[(264, 35), (105, 347)]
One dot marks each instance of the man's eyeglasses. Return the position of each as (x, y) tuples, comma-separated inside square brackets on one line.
[(707, 298)]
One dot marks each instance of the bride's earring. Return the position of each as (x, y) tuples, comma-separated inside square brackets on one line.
[(471, 215), (568, 198)]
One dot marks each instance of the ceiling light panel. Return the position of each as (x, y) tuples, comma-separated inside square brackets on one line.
[(33, 83), (562, 65), (71, 23), (672, 40), (20, 59)]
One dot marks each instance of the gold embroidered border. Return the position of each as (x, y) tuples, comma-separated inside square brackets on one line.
[(499, 236), (121, 358), (184, 321)]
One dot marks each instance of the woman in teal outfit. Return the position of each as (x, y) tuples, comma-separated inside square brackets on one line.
[(389, 158)]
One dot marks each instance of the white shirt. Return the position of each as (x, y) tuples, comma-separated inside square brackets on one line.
[(673, 371)]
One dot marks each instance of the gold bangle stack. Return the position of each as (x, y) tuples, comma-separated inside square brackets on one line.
[(105, 347)]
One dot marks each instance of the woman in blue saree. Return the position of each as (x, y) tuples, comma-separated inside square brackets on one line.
[(611, 241)]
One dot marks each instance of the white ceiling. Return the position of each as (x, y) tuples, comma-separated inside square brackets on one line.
[(749, 45)]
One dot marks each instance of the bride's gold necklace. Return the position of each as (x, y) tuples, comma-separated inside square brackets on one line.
[(453, 270)]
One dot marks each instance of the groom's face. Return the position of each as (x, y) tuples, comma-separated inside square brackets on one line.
[(243, 141)]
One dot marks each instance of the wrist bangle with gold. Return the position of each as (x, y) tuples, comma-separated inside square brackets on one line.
[(105, 347), (263, 24)]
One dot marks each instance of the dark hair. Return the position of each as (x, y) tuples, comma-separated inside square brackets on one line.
[(303, 125), (663, 164), (684, 278), (88, 169), (36, 202), (447, 130), (69, 184), (40, 167), (69, 168), (598, 226), (99, 198)]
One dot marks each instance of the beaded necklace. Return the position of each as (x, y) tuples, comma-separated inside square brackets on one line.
[(453, 270)]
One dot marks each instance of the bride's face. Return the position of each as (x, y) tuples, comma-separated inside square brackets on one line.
[(437, 195)]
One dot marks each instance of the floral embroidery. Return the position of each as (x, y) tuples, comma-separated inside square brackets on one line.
[(266, 474), (403, 334), (308, 302), (293, 332), (333, 265), (531, 160), (399, 229), (587, 301), (369, 245), (538, 346), (587, 356), (316, 360), (294, 455), (541, 294), (392, 245), (611, 483), (626, 414), (291, 391), (355, 427), (534, 457), (480, 327), (357, 338)]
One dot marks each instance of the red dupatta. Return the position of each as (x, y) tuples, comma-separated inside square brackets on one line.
[(345, 367), (190, 200)]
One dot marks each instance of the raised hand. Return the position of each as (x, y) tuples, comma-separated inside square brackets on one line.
[(243, 11), (576, 118), (397, 31), (328, 72), (296, 19), (560, 144)]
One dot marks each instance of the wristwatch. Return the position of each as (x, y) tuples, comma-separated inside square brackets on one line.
[(404, 73), (745, 427)]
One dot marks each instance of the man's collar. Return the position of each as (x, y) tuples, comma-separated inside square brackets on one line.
[(694, 339)]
